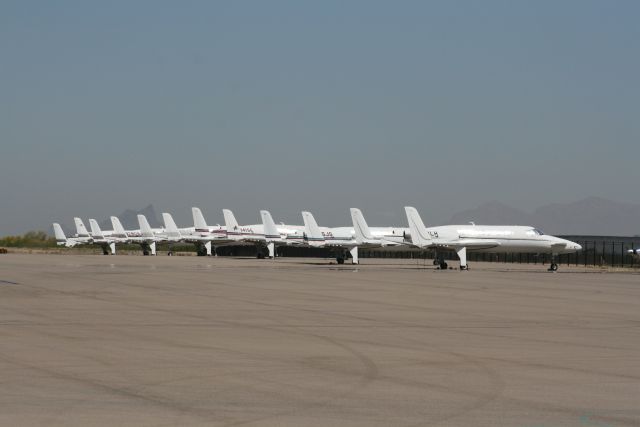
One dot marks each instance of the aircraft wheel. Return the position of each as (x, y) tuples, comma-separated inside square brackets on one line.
[(443, 265), (145, 253), (553, 267), (340, 260), (436, 262), (170, 253), (260, 255)]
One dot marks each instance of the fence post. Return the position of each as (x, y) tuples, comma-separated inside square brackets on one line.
[(595, 258)]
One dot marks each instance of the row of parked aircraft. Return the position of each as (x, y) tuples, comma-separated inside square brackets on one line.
[(344, 241)]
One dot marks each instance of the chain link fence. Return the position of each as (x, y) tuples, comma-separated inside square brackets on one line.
[(596, 251)]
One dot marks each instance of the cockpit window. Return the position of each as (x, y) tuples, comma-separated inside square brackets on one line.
[(538, 232)]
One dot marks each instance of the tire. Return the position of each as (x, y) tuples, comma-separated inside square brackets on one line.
[(443, 266), (340, 260), (145, 253)]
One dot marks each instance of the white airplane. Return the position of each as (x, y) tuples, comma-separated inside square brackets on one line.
[(207, 237), (204, 235), (484, 238), (201, 235), (105, 239), (376, 236), (255, 233), (82, 235), (349, 239), (339, 238), (118, 229), (146, 237), (62, 240), (285, 235)]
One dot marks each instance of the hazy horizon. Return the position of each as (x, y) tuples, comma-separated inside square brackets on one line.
[(317, 106)]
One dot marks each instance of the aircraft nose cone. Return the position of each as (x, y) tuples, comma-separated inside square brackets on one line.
[(577, 247)]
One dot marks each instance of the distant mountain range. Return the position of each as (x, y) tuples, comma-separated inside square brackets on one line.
[(590, 216), (129, 219)]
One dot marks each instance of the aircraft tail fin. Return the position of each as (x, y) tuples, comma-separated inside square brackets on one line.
[(60, 237), (118, 229), (95, 229), (81, 230), (198, 220), (230, 222), (145, 228), (313, 234), (419, 235), (363, 234), (270, 230), (170, 225)]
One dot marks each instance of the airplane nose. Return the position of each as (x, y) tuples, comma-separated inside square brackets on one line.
[(577, 247)]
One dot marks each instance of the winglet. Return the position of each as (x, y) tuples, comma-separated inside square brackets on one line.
[(145, 228), (314, 235), (118, 229), (271, 232), (81, 230), (363, 234), (95, 229), (171, 229), (198, 220), (419, 235)]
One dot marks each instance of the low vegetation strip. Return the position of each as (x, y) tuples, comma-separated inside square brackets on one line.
[(32, 239)]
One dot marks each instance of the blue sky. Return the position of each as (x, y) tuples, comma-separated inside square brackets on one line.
[(314, 105)]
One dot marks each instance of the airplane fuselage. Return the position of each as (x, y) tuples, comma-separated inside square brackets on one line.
[(511, 238)]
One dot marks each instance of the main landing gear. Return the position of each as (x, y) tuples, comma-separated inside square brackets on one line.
[(345, 254), (268, 251), (441, 263), (149, 248), (462, 254), (205, 249)]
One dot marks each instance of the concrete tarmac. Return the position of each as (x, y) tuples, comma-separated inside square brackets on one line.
[(162, 341)]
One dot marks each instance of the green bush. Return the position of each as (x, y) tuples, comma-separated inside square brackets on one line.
[(31, 239)]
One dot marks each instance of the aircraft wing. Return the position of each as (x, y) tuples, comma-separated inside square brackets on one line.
[(339, 244), (470, 244)]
